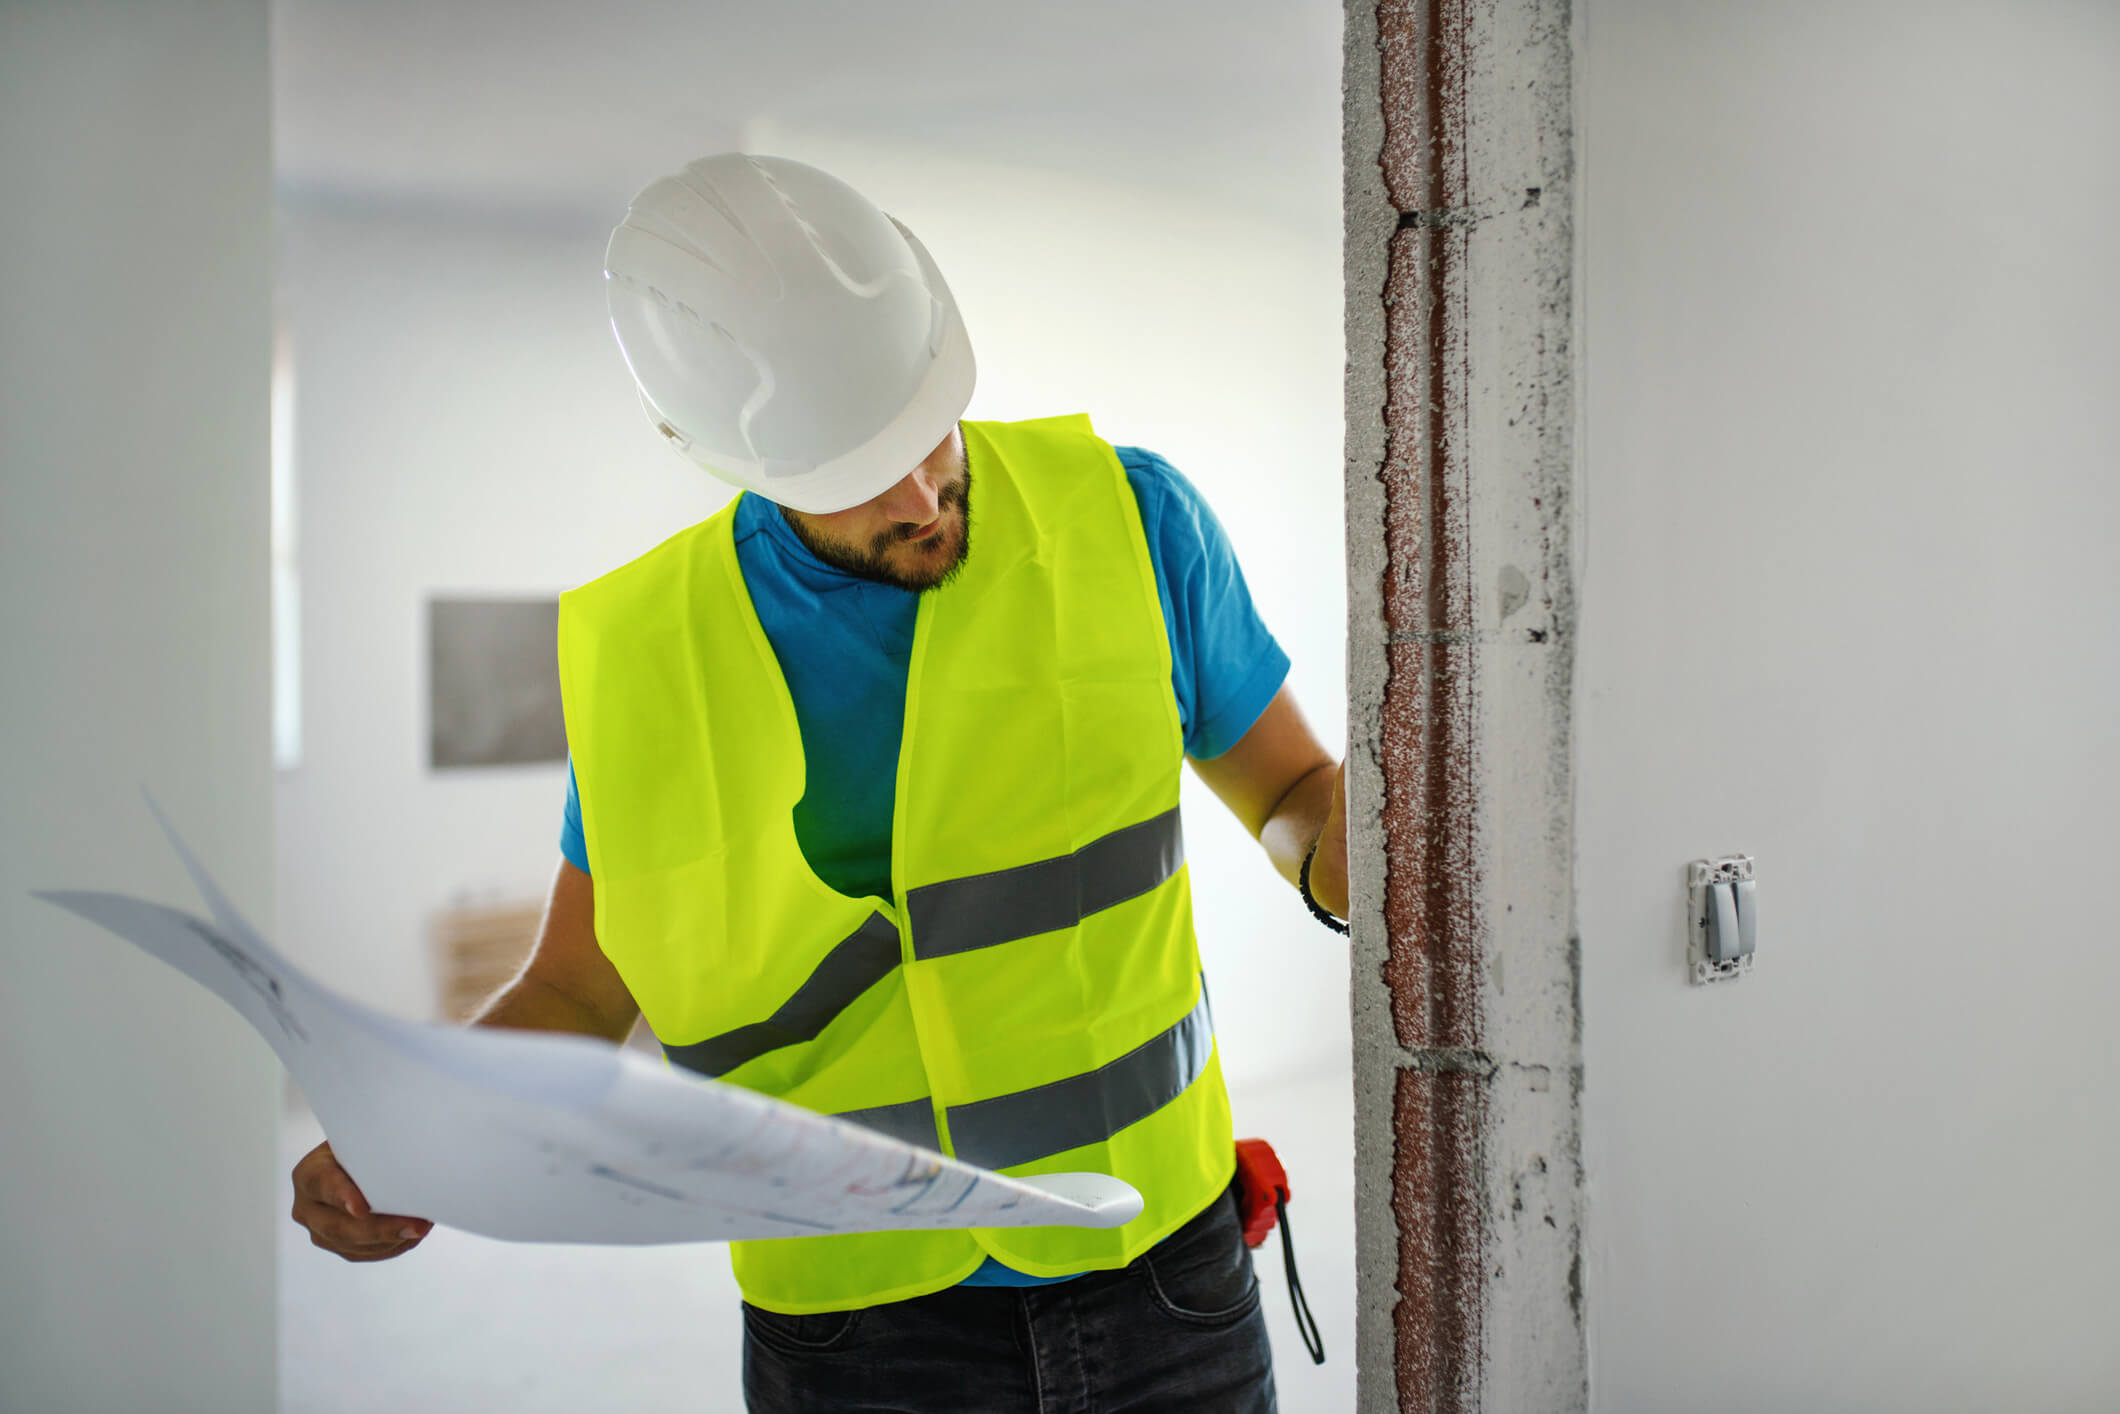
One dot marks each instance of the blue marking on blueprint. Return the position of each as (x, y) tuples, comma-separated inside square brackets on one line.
[(970, 1184), (925, 1186)]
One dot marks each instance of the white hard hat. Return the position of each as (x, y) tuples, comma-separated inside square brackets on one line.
[(786, 334)]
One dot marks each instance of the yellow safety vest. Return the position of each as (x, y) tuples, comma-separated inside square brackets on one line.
[(1029, 997)]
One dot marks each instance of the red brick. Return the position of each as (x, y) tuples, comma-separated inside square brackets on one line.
[(1435, 1196)]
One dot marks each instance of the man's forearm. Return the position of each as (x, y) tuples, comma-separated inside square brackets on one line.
[(1298, 822), (526, 1004), (1282, 783), (1289, 832)]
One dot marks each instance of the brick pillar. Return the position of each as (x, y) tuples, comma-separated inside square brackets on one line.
[(1459, 169)]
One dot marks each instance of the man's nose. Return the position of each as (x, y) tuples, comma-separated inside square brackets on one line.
[(913, 501)]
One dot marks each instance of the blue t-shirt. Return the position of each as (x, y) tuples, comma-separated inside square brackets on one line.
[(845, 644)]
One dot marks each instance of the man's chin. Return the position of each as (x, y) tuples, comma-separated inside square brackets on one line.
[(926, 565)]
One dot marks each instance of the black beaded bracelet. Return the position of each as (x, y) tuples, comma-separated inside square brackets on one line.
[(1317, 910)]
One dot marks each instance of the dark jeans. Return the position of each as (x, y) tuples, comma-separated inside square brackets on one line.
[(1177, 1330)]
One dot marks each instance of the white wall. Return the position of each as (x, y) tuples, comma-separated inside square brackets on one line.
[(1851, 352), (137, 1209), (465, 422)]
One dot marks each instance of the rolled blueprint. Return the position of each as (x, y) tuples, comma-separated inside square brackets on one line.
[(540, 1137)]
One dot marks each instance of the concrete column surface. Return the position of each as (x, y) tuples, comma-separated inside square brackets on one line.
[(1459, 167)]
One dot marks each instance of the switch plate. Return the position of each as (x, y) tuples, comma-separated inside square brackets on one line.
[(1722, 910)]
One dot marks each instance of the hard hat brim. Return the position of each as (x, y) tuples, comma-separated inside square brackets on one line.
[(892, 454)]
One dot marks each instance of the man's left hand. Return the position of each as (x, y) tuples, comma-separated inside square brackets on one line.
[(1328, 867)]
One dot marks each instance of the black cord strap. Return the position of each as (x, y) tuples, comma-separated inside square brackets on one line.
[(1306, 1324), (1310, 900)]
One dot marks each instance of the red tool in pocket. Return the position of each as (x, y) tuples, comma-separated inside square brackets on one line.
[(1262, 1193)]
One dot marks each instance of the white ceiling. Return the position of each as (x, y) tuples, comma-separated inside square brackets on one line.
[(570, 108)]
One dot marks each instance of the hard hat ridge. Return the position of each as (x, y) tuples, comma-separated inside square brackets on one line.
[(785, 333), (694, 220)]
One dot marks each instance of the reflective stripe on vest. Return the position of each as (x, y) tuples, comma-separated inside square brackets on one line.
[(1064, 1114), (1007, 904), (953, 917), (1089, 1108), (863, 959), (913, 1121)]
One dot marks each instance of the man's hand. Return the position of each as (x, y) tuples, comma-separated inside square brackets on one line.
[(1328, 869), (567, 985), (327, 1202)]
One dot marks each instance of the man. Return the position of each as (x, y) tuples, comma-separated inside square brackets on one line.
[(874, 809)]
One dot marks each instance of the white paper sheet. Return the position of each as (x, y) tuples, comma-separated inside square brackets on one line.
[(536, 1137)]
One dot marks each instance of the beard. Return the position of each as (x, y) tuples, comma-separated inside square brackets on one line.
[(873, 561)]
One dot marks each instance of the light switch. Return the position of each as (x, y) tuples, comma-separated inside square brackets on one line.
[(1724, 944), (1722, 913)]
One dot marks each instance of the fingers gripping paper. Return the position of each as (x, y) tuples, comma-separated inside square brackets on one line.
[(536, 1137)]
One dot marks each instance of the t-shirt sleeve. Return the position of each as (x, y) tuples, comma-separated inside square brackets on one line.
[(571, 842), (1225, 665)]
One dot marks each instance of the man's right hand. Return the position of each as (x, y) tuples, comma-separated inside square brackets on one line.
[(327, 1202), (568, 985)]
